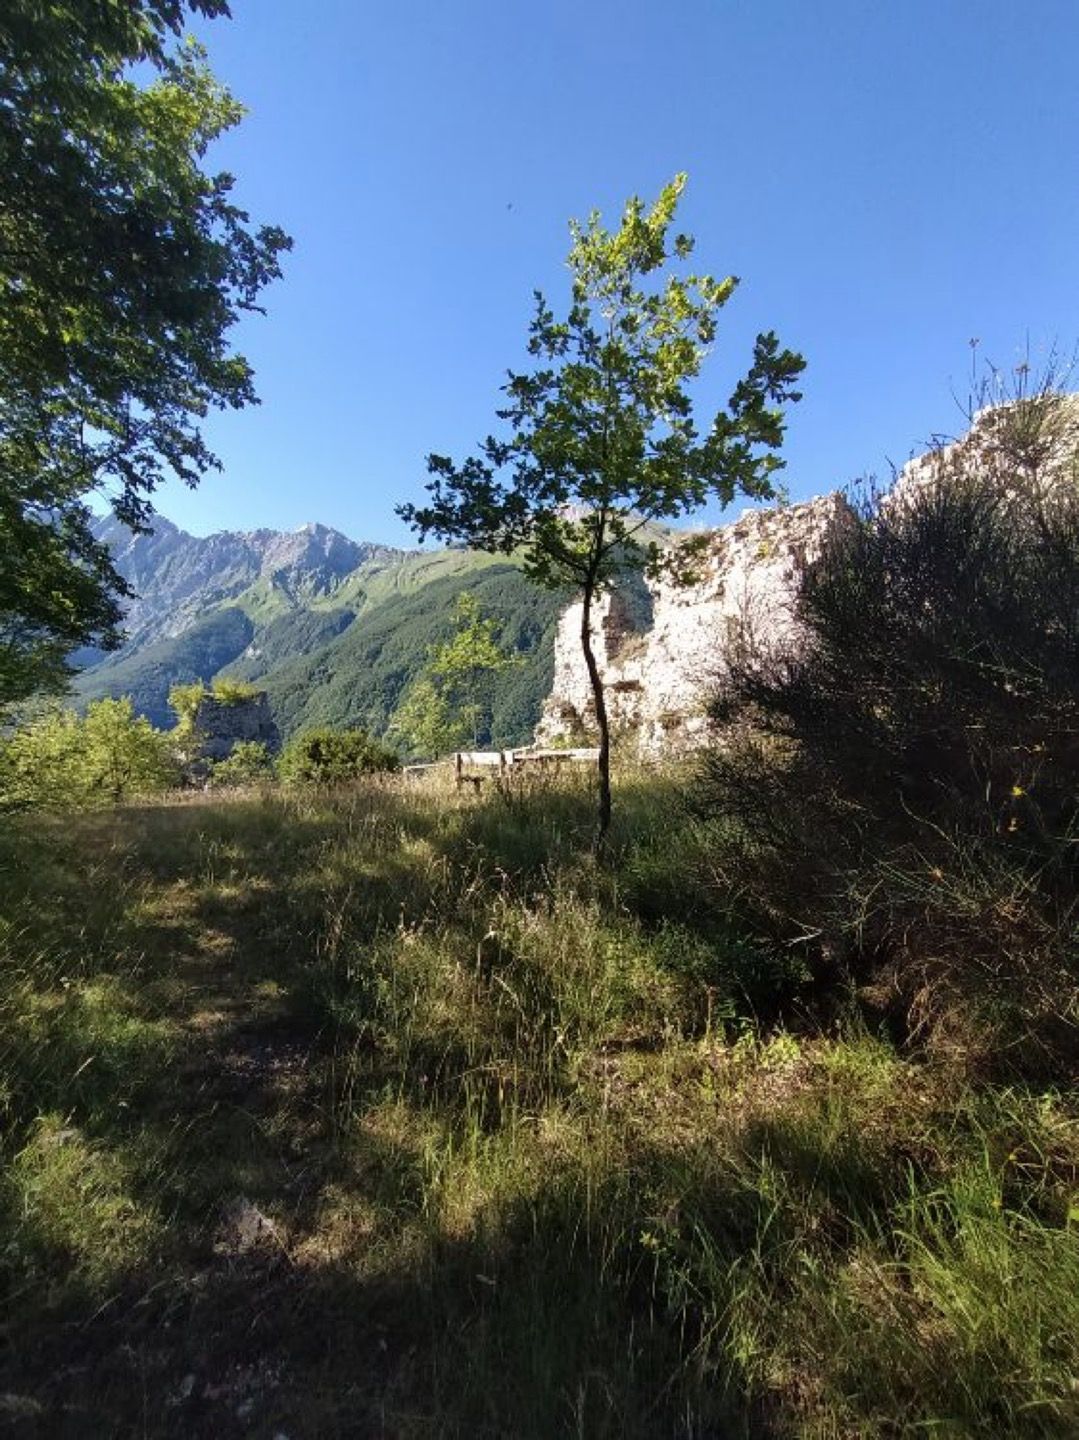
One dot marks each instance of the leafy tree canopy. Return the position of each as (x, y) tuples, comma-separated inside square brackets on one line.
[(63, 761), (124, 265), (601, 437)]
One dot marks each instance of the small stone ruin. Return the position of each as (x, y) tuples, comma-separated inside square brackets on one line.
[(222, 724)]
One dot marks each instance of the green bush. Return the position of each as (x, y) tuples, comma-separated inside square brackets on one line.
[(249, 763), (184, 700), (62, 761), (904, 783), (328, 757), (232, 692)]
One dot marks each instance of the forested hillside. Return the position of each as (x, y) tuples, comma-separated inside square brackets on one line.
[(332, 629), (359, 678), (147, 673)]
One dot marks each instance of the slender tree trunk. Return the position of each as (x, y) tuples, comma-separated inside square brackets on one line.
[(599, 700)]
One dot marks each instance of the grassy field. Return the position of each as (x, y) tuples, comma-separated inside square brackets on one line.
[(391, 1114)]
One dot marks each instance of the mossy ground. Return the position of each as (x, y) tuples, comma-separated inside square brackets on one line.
[(390, 1113)]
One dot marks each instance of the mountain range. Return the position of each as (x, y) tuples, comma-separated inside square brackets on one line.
[(332, 628)]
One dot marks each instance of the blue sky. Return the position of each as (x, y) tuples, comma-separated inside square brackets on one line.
[(890, 180)]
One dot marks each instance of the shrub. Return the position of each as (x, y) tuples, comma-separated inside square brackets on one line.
[(63, 761), (249, 762), (184, 700), (232, 692), (905, 782), (327, 756)]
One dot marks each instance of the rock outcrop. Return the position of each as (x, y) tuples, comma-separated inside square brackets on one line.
[(222, 724), (1028, 447), (659, 670)]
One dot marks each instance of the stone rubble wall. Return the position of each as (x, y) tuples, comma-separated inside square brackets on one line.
[(1029, 447), (658, 680), (221, 726)]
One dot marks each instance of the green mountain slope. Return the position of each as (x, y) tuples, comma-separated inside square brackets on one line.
[(148, 673), (333, 629), (286, 637), (359, 678)]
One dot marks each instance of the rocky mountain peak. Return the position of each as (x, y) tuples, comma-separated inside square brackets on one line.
[(178, 577), (314, 553)]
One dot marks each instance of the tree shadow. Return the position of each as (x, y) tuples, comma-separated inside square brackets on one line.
[(302, 1269)]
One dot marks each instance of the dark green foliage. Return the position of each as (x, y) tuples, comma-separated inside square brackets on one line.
[(300, 632), (123, 268), (635, 601), (148, 675), (57, 591), (329, 757), (907, 798), (360, 677)]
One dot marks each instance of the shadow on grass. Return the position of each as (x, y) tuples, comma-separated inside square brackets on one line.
[(203, 1236), (299, 1140), (545, 1321)]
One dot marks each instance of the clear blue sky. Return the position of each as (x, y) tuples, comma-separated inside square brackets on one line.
[(888, 179)]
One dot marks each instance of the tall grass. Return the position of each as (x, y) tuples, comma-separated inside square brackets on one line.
[(390, 1112)]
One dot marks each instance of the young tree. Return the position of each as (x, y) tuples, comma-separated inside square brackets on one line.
[(602, 438), (425, 722), (40, 764), (122, 754), (184, 702), (448, 703), (123, 267), (63, 761)]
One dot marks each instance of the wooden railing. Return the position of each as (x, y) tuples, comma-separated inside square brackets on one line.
[(472, 767)]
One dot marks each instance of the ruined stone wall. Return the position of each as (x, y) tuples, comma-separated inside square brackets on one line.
[(658, 678), (221, 725), (1028, 448)]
